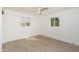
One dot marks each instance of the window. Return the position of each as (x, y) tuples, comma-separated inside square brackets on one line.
[(25, 24), (54, 22)]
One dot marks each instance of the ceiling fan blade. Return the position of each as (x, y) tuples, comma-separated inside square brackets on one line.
[(44, 9)]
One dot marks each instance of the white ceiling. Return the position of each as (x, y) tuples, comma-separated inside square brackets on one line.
[(33, 10)]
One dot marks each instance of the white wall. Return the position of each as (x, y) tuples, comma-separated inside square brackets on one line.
[(0, 27), (12, 29), (69, 26)]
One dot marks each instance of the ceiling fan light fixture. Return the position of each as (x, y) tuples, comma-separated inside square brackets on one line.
[(39, 11)]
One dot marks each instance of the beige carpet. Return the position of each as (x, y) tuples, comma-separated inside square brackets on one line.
[(39, 43)]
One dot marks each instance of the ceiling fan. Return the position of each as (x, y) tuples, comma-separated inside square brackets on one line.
[(40, 10)]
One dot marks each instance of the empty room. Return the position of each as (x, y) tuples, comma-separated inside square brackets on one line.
[(40, 29)]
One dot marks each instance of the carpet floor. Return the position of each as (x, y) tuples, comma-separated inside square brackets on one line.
[(39, 43)]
